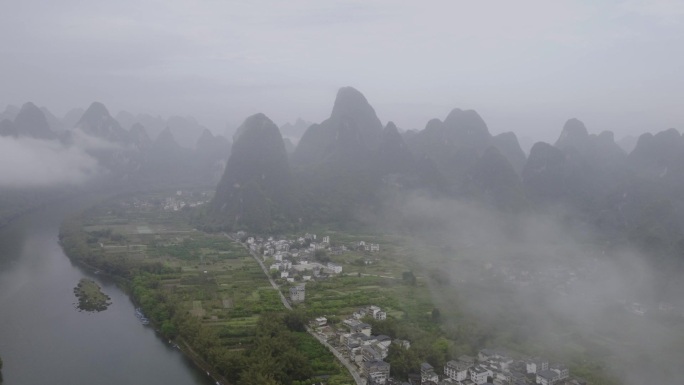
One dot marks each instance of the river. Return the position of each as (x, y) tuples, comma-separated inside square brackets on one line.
[(44, 339)]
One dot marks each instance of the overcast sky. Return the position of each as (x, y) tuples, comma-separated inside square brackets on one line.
[(525, 66)]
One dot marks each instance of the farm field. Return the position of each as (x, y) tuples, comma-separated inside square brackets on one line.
[(203, 290)]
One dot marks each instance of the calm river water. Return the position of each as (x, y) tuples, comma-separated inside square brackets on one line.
[(45, 340)]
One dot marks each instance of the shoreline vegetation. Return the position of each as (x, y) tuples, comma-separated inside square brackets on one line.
[(90, 296), (219, 311)]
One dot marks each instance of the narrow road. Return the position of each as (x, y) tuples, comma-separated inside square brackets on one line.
[(263, 268), (275, 285), (350, 367)]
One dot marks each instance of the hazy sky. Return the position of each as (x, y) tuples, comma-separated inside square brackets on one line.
[(525, 66)]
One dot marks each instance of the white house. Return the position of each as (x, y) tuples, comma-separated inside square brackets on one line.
[(562, 370), (487, 354), (456, 370), (377, 372), (298, 293), (321, 321), (479, 375), (547, 377), (370, 354), (427, 373), (534, 365), (377, 313)]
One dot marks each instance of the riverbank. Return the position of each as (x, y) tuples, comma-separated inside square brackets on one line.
[(202, 292), (125, 286), (44, 340)]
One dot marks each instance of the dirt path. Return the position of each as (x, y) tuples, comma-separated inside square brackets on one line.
[(350, 367)]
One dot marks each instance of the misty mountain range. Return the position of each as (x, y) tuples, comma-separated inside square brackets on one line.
[(350, 165), (143, 149)]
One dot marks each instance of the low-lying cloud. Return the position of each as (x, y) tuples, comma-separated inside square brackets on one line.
[(540, 280), (27, 162)]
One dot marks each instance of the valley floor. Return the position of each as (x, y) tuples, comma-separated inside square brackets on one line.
[(208, 293)]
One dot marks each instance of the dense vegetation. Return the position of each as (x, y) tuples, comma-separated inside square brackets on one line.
[(90, 296), (204, 292)]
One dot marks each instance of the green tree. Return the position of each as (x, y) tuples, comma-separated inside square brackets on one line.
[(295, 320), (402, 361), (168, 329), (255, 376)]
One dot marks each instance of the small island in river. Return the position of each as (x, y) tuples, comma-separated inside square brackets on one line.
[(90, 296)]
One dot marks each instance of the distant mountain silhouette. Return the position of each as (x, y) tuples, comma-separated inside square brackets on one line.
[(139, 136), (349, 166), (574, 136), (97, 121), (256, 191), (337, 162), (654, 154), (31, 122), (186, 130), (544, 173), (508, 145), (350, 135), (166, 141), (493, 179), (394, 154), (456, 145)]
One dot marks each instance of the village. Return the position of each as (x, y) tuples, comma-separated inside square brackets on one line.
[(296, 261), (303, 259), (354, 340)]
